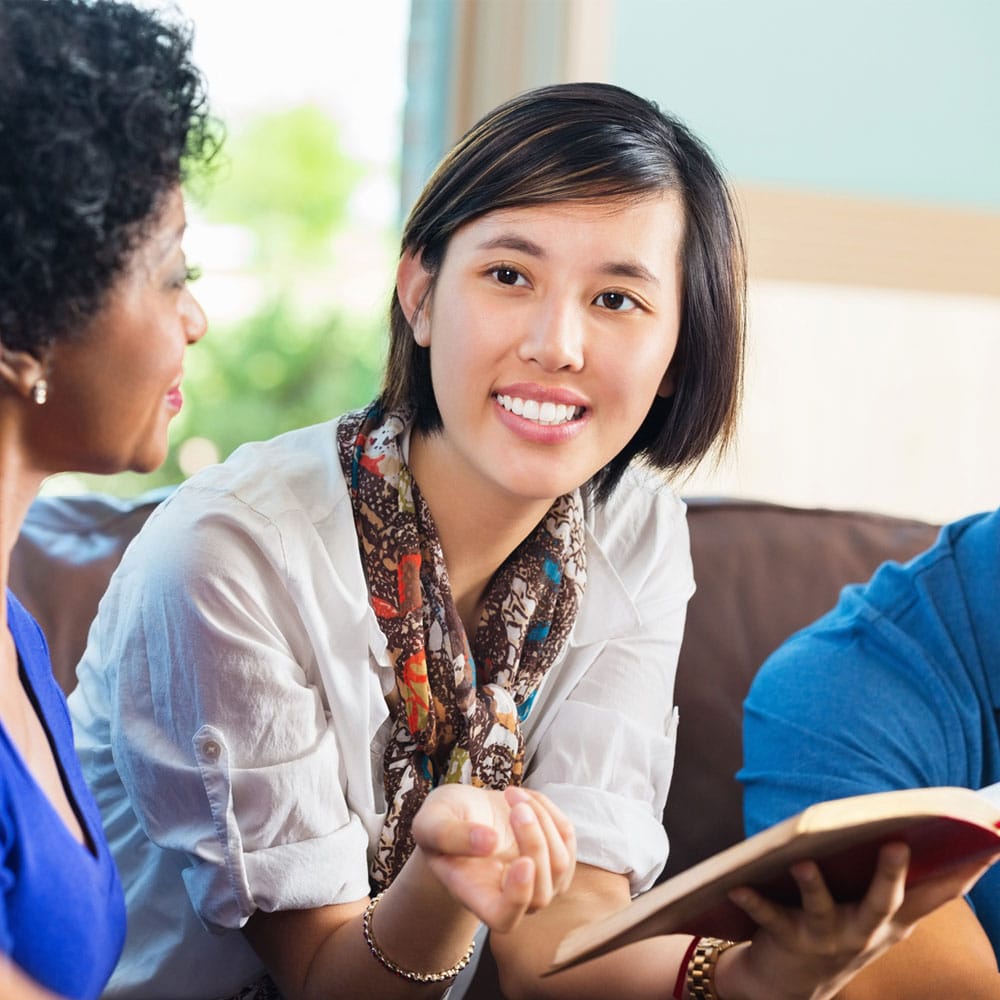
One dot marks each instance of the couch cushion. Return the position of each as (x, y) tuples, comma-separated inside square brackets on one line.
[(62, 562)]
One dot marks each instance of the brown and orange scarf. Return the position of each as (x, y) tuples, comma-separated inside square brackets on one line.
[(459, 706)]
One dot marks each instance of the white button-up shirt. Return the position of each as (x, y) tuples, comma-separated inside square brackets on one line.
[(230, 711)]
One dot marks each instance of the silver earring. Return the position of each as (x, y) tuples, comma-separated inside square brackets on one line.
[(40, 392)]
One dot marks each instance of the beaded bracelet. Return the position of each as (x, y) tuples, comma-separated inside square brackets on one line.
[(701, 968), (414, 977)]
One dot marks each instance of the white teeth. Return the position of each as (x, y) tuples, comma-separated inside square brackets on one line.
[(547, 413)]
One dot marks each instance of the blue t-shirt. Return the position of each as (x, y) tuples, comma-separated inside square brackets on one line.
[(897, 687), (62, 913)]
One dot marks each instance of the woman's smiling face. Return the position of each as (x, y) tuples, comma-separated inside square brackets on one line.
[(115, 386), (551, 329)]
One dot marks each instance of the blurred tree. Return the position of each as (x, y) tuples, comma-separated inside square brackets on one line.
[(287, 181), (271, 373)]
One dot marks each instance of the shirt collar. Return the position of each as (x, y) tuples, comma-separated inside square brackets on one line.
[(607, 610)]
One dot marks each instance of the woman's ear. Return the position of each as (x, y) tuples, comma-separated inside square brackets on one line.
[(413, 286), (668, 384), (20, 371)]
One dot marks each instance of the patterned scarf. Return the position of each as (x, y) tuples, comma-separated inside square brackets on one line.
[(458, 711)]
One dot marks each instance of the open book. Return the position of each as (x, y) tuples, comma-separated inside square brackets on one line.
[(945, 828)]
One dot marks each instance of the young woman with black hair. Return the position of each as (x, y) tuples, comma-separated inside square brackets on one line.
[(374, 683)]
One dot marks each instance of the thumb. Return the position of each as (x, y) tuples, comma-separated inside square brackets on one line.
[(444, 834)]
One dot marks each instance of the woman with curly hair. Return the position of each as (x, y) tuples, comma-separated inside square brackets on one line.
[(102, 115)]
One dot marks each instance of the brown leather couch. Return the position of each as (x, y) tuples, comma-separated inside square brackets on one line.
[(762, 571)]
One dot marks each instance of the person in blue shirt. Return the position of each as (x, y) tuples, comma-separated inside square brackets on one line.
[(102, 115), (897, 687)]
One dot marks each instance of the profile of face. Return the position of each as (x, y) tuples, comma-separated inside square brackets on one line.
[(551, 329), (115, 385)]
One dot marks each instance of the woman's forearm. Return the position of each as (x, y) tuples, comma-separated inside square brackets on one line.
[(647, 969), (319, 953), (947, 955)]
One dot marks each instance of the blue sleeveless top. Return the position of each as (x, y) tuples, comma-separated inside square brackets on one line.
[(62, 912)]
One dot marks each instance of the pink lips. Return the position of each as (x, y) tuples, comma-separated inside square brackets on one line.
[(538, 433), (175, 400)]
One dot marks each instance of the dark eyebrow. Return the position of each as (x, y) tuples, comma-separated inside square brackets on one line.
[(509, 241), (613, 268), (630, 269)]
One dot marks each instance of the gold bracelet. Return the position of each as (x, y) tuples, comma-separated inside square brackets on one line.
[(414, 977), (701, 968)]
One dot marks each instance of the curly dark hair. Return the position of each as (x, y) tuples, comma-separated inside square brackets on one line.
[(101, 114)]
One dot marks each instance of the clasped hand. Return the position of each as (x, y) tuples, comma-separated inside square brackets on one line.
[(501, 854), (811, 952)]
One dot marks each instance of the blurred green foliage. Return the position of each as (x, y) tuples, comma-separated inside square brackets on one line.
[(285, 178), (299, 356), (272, 372)]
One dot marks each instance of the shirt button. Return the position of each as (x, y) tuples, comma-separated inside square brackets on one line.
[(211, 749)]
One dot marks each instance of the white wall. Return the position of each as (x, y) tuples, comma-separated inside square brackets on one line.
[(867, 398)]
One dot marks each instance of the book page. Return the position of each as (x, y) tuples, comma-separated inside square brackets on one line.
[(992, 794)]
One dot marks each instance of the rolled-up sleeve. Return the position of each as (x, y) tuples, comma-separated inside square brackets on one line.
[(604, 751), (219, 729)]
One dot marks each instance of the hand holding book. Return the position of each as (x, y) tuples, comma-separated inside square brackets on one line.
[(953, 834)]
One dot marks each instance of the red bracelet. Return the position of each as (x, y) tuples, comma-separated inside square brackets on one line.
[(682, 971)]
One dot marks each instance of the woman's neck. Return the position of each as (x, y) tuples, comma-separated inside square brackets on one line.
[(477, 530), (19, 485)]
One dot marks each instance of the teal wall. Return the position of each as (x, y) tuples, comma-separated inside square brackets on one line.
[(891, 99)]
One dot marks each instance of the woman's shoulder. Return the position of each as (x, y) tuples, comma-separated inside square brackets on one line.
[(300, 468), (29, 639), (276, 502), (291, 479), (641, 533), (33, 654), (643, 503)]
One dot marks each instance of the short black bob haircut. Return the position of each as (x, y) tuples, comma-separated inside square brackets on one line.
[(101, 114), (591, 141)]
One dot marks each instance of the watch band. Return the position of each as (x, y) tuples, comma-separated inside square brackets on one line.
[(701, 968)]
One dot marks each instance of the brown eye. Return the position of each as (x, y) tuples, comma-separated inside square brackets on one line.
[(616, 301), (507, 275)]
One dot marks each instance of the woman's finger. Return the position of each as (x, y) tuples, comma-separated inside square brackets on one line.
[(518, 888), (771, 916), (887, 889), (818, 907), (563, 825), (532, 843), (560, 839), (438, 830), (498, 894)]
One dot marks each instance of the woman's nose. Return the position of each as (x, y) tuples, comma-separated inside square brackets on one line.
[(554, 339), (193, 318)]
